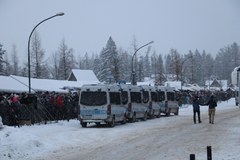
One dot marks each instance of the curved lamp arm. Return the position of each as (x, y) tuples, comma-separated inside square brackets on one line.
[(29, 72)]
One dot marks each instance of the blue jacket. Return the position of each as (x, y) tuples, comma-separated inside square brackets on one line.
[(196, 105)]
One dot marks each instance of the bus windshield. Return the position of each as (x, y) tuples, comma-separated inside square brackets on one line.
[(93, 98)]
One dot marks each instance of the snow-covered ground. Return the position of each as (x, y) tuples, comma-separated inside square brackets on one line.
[(174, 137)]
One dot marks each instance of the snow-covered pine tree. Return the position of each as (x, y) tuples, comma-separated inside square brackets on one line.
[(66, 60), (159, 70), (109, 63), (125, 65), (2, 52), (146, 64), (15, 61)]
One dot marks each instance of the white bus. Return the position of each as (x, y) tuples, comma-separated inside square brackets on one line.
[(132, 99), (170, 104), (150, 99), (235, 77), (101, 104)]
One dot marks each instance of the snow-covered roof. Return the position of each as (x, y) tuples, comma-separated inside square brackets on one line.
[(20, 84), (9, 84), (223, 83), (147, 81), (175, 84), (39, 84), (86, 76)]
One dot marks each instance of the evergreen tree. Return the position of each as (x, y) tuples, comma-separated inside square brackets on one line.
[(168, 68), (204, 70), (109, 63), (187, 68), (197, 67), (159, 71), (97, 67), (86, 61), (8, 68), (37, 56), (176, 63), (226, 60), (15, 61), (124, 65), (66, 60), (146, 64), (154, 64), (2, 52), (79, 62), (141, 70), (54, 68), (235, 50)]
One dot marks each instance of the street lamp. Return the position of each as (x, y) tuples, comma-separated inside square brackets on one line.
[(29, 72), (133, 72)]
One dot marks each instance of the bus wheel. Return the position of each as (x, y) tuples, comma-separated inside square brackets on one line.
[(159, 114), (153, 114), (145, 116), (134, 118), (124, 121), (112, 123), (84, 124), (168, 113), (176, 113)]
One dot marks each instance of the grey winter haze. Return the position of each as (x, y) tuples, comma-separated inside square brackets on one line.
[(86, 26)]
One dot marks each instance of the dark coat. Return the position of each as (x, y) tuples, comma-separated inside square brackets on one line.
[(196, 105), (212, 103)]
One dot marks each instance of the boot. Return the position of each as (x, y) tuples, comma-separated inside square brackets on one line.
[(194, 120), (199, 119), (212, 119)]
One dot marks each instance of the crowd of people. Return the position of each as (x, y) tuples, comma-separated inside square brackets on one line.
[(187, 97), (41, 107), (17, 109)]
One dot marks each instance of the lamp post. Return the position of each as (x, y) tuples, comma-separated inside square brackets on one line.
[(29, 69), (133, 72)]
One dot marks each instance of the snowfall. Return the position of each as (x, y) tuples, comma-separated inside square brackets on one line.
[(167, 138)]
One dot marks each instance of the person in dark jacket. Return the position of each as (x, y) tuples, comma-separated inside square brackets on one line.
[(196, 109), (212, 104)]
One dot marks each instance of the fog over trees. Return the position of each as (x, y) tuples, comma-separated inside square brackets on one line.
[(113, 64)]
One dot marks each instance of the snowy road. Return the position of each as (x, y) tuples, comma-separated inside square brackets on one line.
[(168, 138)]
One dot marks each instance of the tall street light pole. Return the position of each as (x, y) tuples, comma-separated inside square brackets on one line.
[(133, 72), (29, 69)]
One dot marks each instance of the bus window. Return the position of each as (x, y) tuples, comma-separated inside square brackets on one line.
[(161, 96), (171, 96), (145, 96), (93, 98), (115, 98), (154, 96), (124, 97), (136, 97)]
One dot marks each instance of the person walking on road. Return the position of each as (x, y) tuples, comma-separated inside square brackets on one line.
[(196, 109), (212, 103)]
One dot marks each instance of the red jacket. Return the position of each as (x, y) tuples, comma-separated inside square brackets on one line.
[(59, 100)]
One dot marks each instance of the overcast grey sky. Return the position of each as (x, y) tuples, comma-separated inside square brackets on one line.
[(87, 24)]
